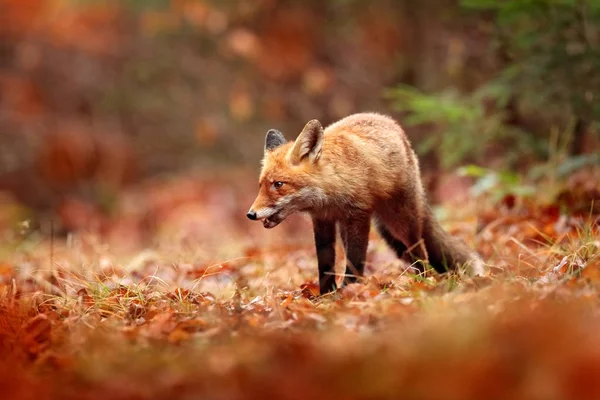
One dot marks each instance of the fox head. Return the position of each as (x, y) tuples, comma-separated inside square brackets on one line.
[(287, 182)]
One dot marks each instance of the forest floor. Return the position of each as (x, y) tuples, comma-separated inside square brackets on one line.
[(178, 296)]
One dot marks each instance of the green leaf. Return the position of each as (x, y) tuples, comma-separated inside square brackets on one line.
[(473, 171)]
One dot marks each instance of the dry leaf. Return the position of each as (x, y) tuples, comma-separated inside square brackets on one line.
[(310, 290), (178, 336), (36, 334)]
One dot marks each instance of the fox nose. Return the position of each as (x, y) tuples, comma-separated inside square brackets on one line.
[(251, 215)]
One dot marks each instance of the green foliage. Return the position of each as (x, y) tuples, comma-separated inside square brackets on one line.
[(549, 52), (553, 49), (465, 126), (497, 184)]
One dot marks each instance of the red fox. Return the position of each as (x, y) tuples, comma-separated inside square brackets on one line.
[(358, 168)]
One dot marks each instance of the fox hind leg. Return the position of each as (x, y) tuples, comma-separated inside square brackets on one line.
[(399, 224), (397, 245)]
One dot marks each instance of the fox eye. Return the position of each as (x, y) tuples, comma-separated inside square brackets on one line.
[(277, 184)]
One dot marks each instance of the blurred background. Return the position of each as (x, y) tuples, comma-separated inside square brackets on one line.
[(118, 115)]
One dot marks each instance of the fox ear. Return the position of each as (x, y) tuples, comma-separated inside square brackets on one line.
[(309, 143), (273, 139)]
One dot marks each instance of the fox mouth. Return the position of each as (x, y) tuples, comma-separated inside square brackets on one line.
[(272, 221)]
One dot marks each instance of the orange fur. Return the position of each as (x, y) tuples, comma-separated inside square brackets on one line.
[(360, 167)]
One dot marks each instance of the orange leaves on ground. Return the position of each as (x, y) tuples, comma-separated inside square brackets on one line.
[(591, 272), (361, 292), (36, 334), (192, 325), (177, 336), (258, 321), (136, 310), (188, 296), (84, 298), (582, 195), (530, 225), (310, 290), (185, 329), (7, 273), (254, 252), (199, 272), (287, 300)]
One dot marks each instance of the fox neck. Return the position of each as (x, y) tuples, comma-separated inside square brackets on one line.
[(335, 208)]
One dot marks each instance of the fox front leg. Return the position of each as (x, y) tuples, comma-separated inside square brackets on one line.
[(325, 245), (355, 234)]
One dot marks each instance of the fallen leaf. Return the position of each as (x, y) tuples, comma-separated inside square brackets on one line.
[(84, 298), (178, 336), (310, 290), (36, 334), (591, 272)]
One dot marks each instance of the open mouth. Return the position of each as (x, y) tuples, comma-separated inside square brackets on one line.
[(272, 221)]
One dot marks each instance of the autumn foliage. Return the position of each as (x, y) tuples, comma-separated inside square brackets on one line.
[(218, 307)]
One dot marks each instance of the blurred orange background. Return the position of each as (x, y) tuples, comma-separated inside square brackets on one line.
[(114, 113)]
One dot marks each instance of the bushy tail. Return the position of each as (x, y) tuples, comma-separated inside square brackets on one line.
[(447, 252)]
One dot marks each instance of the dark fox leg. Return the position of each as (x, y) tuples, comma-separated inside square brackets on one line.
[(401, 225), (399, 247), (447, 252), (325, 244), (355, 235), (403, 221), (395, 244)]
